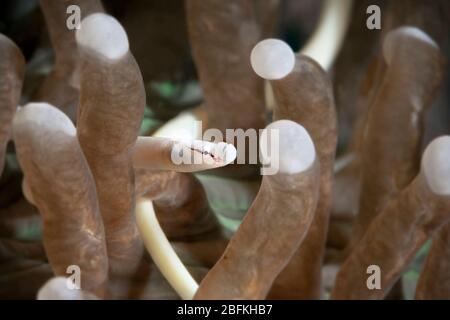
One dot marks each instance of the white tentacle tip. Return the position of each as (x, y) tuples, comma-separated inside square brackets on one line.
[(393, 37), (103, 34), (57, 288), (436, 165), (45, 115), (272, 59), (286, 147)]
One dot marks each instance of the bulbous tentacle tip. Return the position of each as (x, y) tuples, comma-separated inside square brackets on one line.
[(286, 145), (393, 38), (44, 115), (436, 165), (272, 59), (104, 35), (58, 288)]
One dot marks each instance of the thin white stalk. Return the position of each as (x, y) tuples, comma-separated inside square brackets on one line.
[(162, 252), (324, 44)]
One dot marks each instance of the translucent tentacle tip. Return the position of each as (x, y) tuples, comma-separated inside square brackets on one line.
[(436, 165), (104, 35), (272, 59), (57, 289), (394, 37), (285, 145), (46, 116)]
